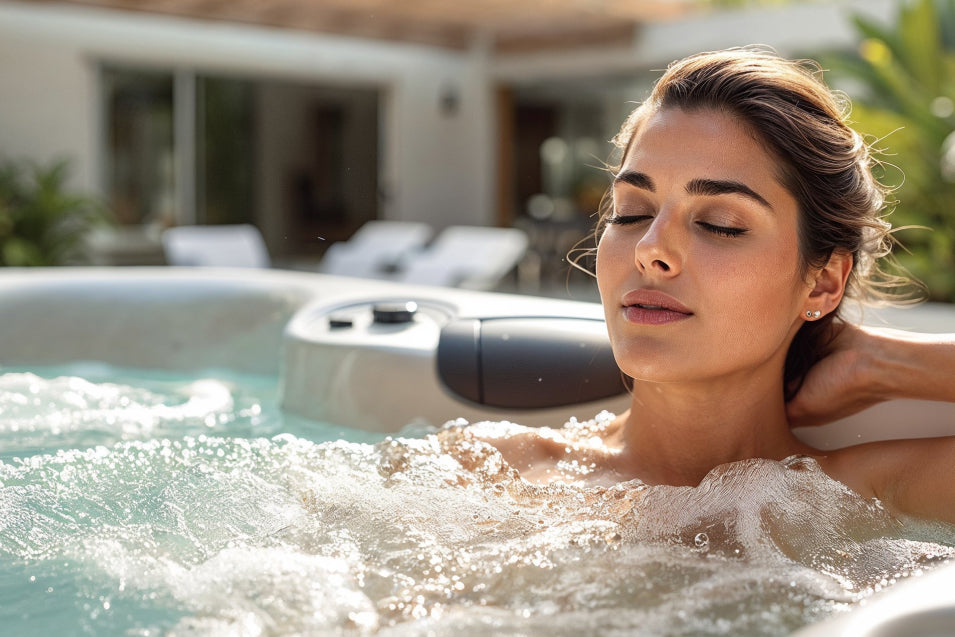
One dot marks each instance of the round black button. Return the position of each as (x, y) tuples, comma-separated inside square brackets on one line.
[(394, 312)]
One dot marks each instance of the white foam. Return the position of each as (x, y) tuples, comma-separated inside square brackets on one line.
[(210, 535), (68, 410)]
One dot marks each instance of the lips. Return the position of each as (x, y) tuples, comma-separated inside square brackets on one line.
[(652, 307)]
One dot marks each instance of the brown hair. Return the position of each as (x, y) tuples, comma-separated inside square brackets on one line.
[(823, 163)]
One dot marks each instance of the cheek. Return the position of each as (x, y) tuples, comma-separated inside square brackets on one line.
[(784, 273), (610, 260), (765, 291)]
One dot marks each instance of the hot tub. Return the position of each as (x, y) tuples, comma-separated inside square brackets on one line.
[(374, 359)]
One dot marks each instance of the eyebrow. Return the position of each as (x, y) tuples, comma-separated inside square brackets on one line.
[(702, 187), (639, 180), (724, 187)]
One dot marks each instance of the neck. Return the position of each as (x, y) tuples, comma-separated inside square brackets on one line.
[(675, 434)]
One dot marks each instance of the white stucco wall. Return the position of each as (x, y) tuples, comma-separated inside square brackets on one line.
[(452, 175), (47, 102)]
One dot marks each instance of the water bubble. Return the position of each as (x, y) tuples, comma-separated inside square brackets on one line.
[(702, 541)]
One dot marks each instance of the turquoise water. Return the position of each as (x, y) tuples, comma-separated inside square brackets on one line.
[(142, 503)]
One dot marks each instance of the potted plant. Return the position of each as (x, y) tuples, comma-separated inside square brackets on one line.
[(43, 222)]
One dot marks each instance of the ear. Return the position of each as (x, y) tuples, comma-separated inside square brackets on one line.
[(830, 283)]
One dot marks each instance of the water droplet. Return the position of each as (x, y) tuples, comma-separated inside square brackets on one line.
[(702, 541)]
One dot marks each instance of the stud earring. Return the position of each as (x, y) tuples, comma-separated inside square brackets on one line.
[(813, 315)]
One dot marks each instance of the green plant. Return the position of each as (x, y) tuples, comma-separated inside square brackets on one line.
[(42, 222), (902, 81)]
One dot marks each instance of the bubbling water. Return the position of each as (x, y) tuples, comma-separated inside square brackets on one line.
[(65, 410), (208, 534)]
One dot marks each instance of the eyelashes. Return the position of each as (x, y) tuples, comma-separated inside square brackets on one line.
[(721, 231), (626, 220)]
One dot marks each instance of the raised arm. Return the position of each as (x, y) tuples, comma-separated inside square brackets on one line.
[(869, 365)]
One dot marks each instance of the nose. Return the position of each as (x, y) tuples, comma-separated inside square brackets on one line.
[(658, 250)]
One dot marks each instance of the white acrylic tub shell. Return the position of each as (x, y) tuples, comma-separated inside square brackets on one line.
[(276, 322)]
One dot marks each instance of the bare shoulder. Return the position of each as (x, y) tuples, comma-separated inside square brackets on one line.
[(911, 476), (522, 447), (538, 453)]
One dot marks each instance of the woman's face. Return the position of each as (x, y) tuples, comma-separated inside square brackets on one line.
[(698, 267)]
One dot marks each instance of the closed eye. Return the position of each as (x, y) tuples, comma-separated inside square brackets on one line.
[(723, 231), (624, 220)]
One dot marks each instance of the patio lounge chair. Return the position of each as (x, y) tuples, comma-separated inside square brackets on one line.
[(376, 250), (239, 245), (473, 257)]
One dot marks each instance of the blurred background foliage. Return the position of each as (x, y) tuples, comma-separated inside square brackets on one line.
[(901, 78), (42, 221)]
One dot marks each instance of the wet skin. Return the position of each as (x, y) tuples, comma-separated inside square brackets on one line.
[(700, 278)]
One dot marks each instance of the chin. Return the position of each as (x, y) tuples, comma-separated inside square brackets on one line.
[(649, 373), (647, 359)]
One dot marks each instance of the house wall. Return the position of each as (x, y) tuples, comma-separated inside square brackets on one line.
[(435, 167), (47, 102)]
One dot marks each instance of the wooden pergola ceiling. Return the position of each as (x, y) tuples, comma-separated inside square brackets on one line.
[(511, 25)]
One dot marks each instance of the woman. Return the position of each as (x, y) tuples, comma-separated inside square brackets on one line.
[(741, 215)]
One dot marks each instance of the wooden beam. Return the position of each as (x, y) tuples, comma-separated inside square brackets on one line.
[(611, 35), (515, 26), (504, 111)]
